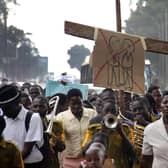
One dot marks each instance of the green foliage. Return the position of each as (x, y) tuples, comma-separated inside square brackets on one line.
[(77, 54), (15, 35), (3, 6), (18, 55), (150, 19)]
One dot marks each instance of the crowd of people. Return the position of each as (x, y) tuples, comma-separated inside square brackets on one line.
[(111, 129)]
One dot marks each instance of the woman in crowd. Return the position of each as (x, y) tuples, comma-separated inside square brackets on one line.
[(155, 148)]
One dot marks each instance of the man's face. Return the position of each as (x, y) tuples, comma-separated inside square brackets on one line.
[(34, 92), (26, 102), (75, 104), (10, 109), (140, 112), (109, 108), (108, 97), (164, 105), (156, 94), (39, 106), (137, 107)]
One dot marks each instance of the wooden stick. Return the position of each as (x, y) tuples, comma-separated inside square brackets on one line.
[(87, 32), (118, 15)]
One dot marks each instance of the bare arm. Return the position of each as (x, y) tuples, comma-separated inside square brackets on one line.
[(146, 161), (33, 136), (27, 149)]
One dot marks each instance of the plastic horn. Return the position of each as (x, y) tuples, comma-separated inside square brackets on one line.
[(55, 100)]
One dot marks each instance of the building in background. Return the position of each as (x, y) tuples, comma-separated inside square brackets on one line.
[(86, 72)]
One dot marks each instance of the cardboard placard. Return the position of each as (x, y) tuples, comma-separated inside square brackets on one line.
[(118, 61)]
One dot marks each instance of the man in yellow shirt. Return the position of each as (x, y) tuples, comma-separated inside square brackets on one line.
[(75, 122)]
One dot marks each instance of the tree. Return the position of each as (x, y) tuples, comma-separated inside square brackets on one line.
[(146, 20), (4, 9), (150, 19), (19, 58), (77, 54), (24, 63), (3, 32)]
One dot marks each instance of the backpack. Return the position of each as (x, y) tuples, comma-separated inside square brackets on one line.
[(45, 148)]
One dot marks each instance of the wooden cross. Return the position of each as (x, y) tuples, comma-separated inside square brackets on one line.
[(87, 32)]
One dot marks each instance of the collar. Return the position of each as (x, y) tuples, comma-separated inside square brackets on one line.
[(2, 142), (160, 121), (85, 114), (21, 114), (95, 126), (162, 128)]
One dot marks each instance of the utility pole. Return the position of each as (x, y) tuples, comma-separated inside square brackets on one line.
[(118, 15), (118, 23), (5, 40), (165, 72)]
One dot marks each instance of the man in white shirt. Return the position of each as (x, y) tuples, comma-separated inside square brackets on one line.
[(28, 141)]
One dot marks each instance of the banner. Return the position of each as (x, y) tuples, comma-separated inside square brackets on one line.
[(53, 87)]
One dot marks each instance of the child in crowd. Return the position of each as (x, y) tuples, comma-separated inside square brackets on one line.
[(95, 152)]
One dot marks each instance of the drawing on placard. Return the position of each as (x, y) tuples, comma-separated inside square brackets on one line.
[(121, 61)]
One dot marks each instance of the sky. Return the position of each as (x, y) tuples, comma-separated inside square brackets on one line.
[(45, 20)]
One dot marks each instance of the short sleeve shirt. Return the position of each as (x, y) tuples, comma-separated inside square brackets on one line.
[(74, 130), (156, 143), (15, 131)]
